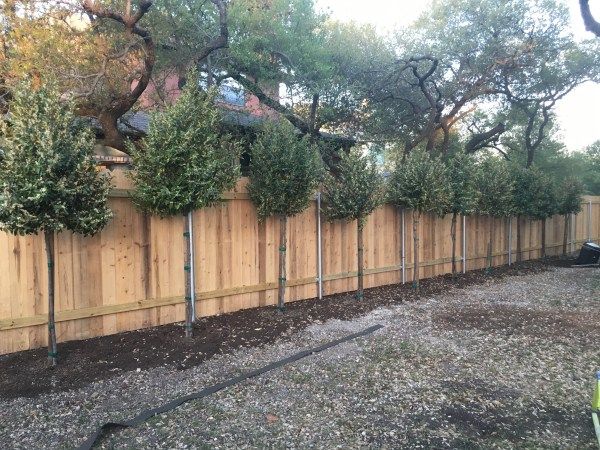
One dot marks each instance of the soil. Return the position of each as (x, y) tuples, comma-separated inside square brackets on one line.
[(28, 374)]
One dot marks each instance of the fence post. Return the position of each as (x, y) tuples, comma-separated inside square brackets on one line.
[(464, 244), (509, 241), (192, 266), (590, 221), (402, 251), (319, 250)]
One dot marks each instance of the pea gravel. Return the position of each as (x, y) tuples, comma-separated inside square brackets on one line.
[(506, 364)]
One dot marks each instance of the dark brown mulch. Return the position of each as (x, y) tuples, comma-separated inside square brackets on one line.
[(27, 374)]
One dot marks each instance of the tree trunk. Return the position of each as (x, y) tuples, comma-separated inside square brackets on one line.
[(565, 236), (519, 246), (543, 238), (416, 217), (453, 237), (187, 258), (282, 271), (52, 351), (360, 290), (490, 245), (112, 136)]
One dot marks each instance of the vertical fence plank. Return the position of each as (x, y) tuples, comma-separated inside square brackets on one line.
[(137, 258)]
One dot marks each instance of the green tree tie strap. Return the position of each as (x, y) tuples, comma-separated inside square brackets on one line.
[(53, 354), (50, 265), (186, 233), (282, 248), (186, 268), (282, 279)]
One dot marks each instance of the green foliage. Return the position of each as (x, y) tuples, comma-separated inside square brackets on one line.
[(285, 171), (570, 196), (534, 193), (420, 182), (461, 171), (186, 162), (495, 185), (356, 190), (48, 179)]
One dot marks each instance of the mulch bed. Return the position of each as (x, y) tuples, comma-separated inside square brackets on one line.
[(28, 374)]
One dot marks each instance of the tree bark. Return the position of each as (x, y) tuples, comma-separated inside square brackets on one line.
[(187, 258), (519, 246), (360, 290), (108, 114), (543, 238), (590, 23), (490, 246), (282, 268), (52, 351), (453, 237), (565, 235), (416, 217)]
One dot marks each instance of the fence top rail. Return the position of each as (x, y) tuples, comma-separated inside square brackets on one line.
[(123, 186)]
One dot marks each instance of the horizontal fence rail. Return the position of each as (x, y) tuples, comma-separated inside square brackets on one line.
[(130, 276)]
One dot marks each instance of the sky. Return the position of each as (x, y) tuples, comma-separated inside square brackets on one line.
[(578, 117)]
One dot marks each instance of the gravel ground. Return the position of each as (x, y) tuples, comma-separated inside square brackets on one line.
[(507, 364)]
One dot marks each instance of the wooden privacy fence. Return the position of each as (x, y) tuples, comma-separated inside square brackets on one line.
[(131, 275)]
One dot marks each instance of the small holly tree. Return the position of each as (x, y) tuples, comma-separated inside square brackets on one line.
[(530, 199), (419, 182), (285, 171), (463, 192), (570, 194), (353, 193), (185, 163), (48, 178), (494, 183), (547, 205)]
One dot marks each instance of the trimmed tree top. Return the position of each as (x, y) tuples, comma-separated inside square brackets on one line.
[(420, 182), (461, 171), (285, 171), (534, 194), (185, 161), (495, 184), (356, 190), (570, 196), (48, 178)]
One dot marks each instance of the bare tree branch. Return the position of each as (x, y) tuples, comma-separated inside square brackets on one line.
[(588, 19)]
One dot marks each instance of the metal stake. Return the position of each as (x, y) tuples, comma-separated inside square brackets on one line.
[(590, 221), (509, 241), (464, 244), (319, 250), (403, 258), (192, 266)]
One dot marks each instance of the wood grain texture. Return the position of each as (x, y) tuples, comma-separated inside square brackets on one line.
[(130, 276)]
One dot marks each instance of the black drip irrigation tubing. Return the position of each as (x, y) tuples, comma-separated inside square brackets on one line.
[(147, 414)]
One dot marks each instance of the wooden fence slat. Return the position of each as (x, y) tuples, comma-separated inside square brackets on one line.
[(131, 275)]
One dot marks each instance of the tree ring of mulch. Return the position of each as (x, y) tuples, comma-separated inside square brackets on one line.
[(28, 374)]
